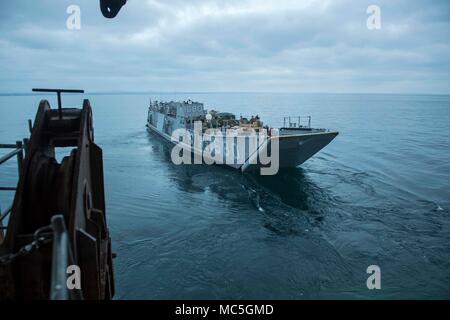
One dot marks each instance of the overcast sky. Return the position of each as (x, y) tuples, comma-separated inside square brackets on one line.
[(227, 45)]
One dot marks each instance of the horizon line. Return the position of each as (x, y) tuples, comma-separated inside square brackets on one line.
[(220, 92)]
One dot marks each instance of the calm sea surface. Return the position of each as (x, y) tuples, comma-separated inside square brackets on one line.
[(378, 194)]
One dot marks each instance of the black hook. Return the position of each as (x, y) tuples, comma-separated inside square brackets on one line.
[(110, 8)]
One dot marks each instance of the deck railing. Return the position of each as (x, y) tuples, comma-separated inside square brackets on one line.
[(297, 122), (18, 152)]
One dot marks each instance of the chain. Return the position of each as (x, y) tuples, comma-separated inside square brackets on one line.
[(42, 236)]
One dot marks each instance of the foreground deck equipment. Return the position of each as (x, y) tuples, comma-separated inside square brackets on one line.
[(58, 217)]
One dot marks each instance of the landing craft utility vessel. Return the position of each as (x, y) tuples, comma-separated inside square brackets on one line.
[(297, 140)]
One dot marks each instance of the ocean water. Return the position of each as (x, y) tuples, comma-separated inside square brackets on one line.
[(379, 194)]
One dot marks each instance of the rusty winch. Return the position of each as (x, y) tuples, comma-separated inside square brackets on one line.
[(57, 221)]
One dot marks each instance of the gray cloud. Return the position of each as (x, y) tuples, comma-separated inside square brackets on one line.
[(227, 45)]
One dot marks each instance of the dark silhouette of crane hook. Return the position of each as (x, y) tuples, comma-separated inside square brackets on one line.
[(110, 8)]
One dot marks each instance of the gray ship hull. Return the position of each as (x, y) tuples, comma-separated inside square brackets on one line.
[(294, 148)]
